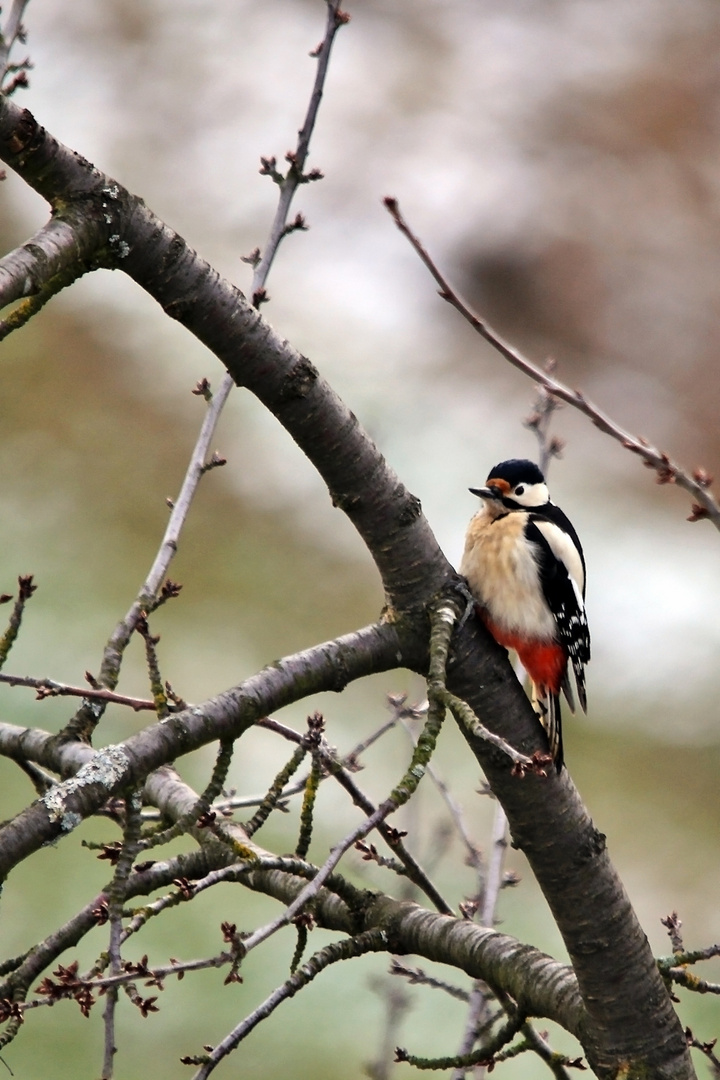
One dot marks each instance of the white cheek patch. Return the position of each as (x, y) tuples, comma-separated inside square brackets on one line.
[(564, 549), (533, 495)]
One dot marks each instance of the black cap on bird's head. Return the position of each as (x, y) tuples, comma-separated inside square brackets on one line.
[(516, 471), (517, 483)]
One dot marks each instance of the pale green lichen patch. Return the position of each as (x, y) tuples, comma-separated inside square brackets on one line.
[(107, 767)]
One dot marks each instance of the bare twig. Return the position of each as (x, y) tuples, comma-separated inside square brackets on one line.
[(398, 797), (272, 796), (417, 977), (478, 1013), (397, 708), (691, 956), (521, 762), (472, 851), (312, 888), (115, 894), (147, 597), (483, 1055), (554, 1061), (494, 879), (297, 158), (11, 32), (228, 803), (109, 984), (668, 471), (41, 780), (414, 871), (369, 941), (682, 977), (51, 688), (148, 594), (539, 420), (707, 1048), (673, 925), (90, 713), (25, 591)]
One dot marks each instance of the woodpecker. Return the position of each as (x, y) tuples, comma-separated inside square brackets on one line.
[(525, 567)]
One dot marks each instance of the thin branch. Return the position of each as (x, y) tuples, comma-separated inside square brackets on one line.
[(417, 977), (467, 719), (351, 759), (370, 941), (554, 1061), (691, 956), (51, 688), (294, 177), (147, 597), (90, 713), (273, 795), (11, 32), (313, 887), (41, 780), (668, 471), (484, 1055), (398, 797), (472, 851), (544, 408), (199, 811), (707, 1048), (227, 804), (109, 984), (412, 868), (25, 591), (297, 158), (150, 588), (226, 717), (494, 879), (115, 896), (683, 977)]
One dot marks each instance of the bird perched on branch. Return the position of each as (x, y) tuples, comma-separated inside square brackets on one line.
[(525, 567)]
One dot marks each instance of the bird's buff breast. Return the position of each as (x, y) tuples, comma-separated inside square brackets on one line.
[(502, 572)]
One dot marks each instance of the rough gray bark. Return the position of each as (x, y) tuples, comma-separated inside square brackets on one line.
[(628, 1020)]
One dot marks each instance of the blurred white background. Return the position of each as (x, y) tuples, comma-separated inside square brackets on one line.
[(560, 158)]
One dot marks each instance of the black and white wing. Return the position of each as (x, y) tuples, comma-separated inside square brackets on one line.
[(562, 576)]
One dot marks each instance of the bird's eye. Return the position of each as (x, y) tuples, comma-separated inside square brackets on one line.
[(519, 490)]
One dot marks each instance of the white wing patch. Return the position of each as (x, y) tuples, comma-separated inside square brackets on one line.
[(564, 549)]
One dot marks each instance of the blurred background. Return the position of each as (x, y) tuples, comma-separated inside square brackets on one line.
[(561, 160)]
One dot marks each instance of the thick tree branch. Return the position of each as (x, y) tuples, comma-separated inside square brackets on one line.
[(627, 1008), (568, 855), (360, 482), (542, 986), (326, 667)]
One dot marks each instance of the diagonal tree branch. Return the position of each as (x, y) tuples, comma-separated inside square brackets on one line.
[(326, 667), (189, 290), (543, 986), (546, 817), (668, 472)]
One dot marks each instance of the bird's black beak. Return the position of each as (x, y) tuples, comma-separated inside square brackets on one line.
[(486, 492)]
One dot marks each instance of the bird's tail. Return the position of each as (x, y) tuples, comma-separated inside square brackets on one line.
[(547, 707)]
